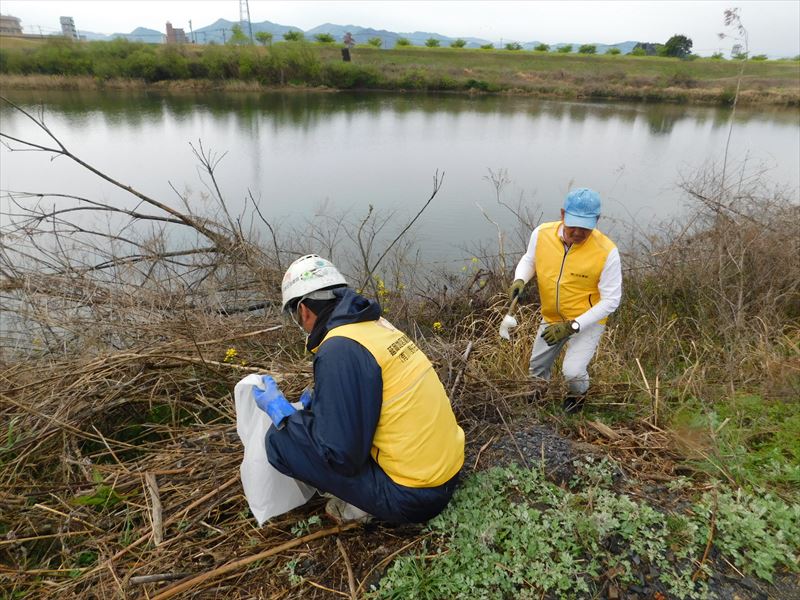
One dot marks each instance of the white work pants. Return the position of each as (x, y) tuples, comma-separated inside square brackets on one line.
[(580, 350)]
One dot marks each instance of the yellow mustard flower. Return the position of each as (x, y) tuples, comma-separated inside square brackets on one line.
[(437, 326)]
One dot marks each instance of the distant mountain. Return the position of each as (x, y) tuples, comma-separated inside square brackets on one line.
[(388, 38), (336, 31), (142, 34), (91, 36), (220, 31)]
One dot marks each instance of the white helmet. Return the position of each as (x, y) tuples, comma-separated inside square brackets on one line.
[(309, 274)]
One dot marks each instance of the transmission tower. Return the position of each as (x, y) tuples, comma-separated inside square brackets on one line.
[(244, 17)]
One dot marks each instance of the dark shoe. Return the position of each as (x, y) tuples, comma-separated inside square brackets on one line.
[(573, 404)]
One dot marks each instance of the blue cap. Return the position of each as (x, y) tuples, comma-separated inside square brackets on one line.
[(582, 208)]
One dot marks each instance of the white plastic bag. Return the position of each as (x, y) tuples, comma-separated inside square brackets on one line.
[(268, 491)]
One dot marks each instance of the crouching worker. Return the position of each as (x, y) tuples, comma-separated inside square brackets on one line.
[(377, 432)]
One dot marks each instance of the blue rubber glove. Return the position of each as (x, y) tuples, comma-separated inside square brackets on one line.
[(272, 401), (306, 397)]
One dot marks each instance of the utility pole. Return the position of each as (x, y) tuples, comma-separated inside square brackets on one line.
[(244, 16), (191, 31), (224, 41)]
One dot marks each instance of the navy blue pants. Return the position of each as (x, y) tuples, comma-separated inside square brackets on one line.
[(370, 489)]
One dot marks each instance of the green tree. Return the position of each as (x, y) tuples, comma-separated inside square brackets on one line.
[(432, 43), (375, 42), (487, 47), (565, 49), (614, 51), (759, 57), (587, 49), (459, 43), (513, 46), (402, 42), (294, 36), (678, 46), (324, 38), (238, 37), (542, 48), (264, 38), (717, 56), (638, 52)]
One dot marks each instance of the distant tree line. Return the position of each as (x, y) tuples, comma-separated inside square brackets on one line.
[(677, 46)]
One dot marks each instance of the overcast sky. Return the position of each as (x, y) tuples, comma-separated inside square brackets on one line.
[(773, 26)]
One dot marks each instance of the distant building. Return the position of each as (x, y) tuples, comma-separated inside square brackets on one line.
[(176, 35), (68, 28), (10, 25)]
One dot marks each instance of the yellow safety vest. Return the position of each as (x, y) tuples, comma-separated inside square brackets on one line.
[(568, 278), (417, 442)]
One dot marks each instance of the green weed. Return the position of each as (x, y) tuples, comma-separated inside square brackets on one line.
[(756, 441), (104, 496), (510, 533), (757, 533), (304, 526)]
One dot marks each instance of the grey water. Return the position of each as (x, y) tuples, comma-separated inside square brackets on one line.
[(318, 157)]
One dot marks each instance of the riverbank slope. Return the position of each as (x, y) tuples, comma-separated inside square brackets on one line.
[(120, 63)]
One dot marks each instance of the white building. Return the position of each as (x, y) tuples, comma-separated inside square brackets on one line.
[(68, 28), (10, 25)]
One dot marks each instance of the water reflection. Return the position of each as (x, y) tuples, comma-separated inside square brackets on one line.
[(662, 120), (304, 109), (349, 150)]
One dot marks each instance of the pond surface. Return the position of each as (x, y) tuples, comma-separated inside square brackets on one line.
[(311, 154)]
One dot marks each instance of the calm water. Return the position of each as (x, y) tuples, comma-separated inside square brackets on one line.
[(309, 154)]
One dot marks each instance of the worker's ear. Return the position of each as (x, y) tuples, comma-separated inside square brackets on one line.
[(305, 316)]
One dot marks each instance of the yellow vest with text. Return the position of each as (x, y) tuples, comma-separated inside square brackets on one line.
[(417, 442), (568, 278)]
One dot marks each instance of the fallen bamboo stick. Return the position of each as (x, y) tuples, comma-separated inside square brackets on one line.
[(350, 578), (158, 525), (156, 577)]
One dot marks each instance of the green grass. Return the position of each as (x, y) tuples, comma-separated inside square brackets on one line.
[(510, 533), (502, 62), (544, 74), (14, 42), (754, 441)]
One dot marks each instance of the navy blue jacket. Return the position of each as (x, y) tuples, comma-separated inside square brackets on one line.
[(348, 392), (329, 446)]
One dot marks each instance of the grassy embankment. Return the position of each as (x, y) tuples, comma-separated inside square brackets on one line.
[(552, 75)]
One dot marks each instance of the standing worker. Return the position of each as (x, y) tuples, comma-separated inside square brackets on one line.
[(348, 42), (580, 284), (377, 432)]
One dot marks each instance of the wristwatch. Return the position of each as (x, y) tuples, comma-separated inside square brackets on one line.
[(574, 326)]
